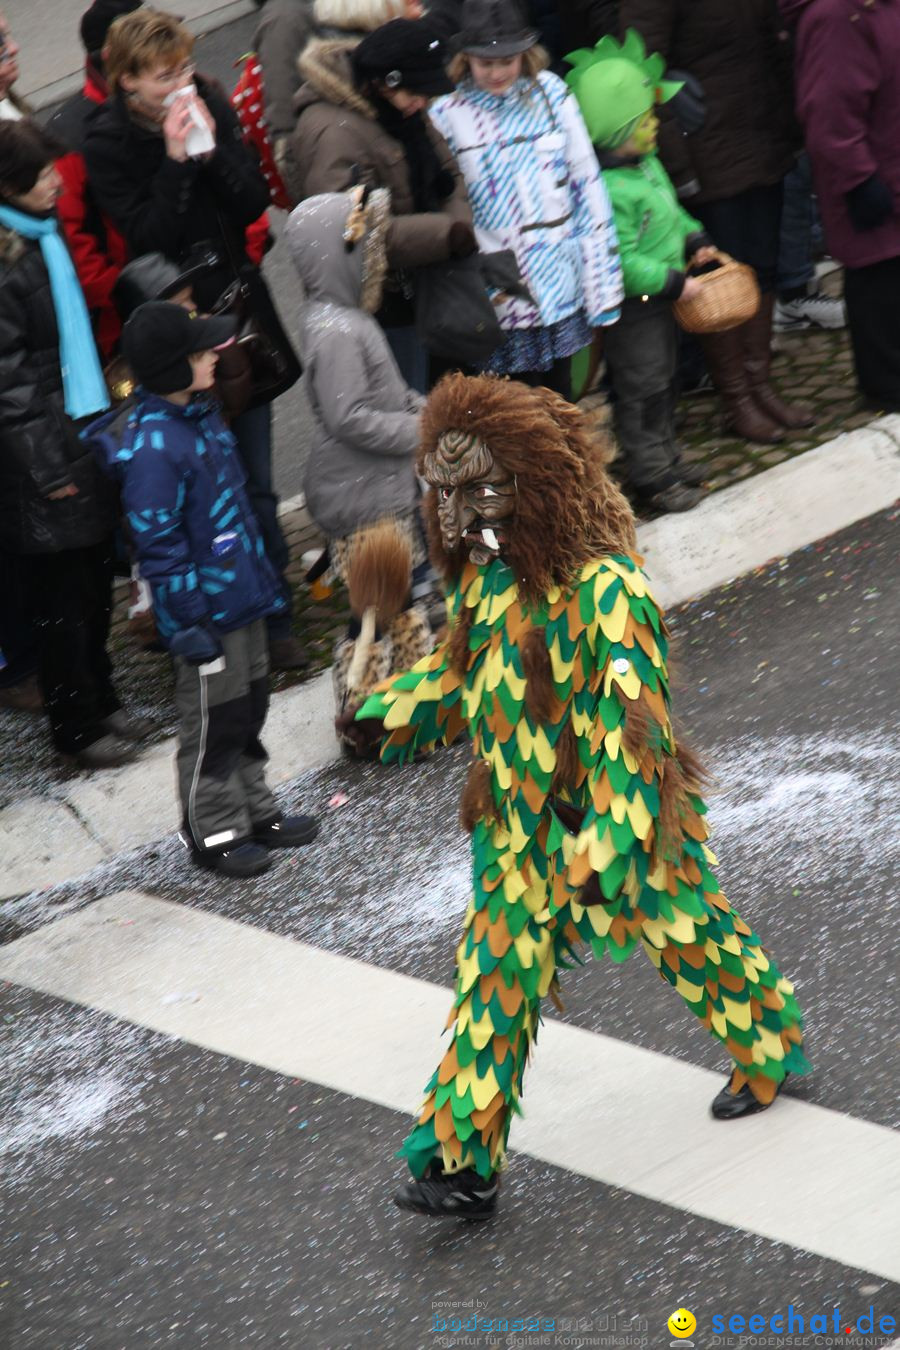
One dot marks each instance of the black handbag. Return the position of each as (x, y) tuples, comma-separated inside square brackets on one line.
[(455, 320), (269, 363)]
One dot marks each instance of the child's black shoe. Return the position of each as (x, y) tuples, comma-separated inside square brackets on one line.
[(286, 831), (244, 860)]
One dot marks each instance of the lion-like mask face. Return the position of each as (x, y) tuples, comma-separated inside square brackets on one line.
[(475, 495)]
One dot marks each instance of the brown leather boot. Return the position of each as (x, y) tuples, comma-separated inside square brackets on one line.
[(757, 334), (724, 354)]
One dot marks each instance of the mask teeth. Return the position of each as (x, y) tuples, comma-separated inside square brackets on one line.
[(490, 538)]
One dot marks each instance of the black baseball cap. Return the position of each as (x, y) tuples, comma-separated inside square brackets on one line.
[(159, 337)]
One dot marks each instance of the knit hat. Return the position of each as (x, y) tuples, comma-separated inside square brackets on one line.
[(493, 28), (95, 21), (403, 54), (616, 86), (159, 337)]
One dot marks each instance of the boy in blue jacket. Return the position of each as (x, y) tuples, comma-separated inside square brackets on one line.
[(200, 549)]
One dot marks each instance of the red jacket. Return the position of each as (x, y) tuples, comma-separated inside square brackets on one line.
[(98, 251), (848, 99)]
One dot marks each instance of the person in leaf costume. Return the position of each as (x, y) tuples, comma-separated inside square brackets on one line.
[(586, 820)]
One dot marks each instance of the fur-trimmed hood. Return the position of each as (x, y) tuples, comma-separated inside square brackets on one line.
[(327, 74), (331, 273), (568, 510)]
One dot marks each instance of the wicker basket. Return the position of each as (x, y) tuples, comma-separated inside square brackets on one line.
[(729, 297)]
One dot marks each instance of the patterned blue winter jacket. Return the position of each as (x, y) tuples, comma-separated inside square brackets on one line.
[(196, 538)]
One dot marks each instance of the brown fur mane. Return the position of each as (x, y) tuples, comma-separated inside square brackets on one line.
[(568, 510)]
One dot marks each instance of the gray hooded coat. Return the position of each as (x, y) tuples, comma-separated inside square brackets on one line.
[(361, 465)]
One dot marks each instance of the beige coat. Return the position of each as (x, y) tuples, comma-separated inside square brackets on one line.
[(338, 141)]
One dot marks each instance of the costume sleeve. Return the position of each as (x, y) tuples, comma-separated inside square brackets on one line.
[(643, 831), (420, 709), (592, 219), (153, 495)]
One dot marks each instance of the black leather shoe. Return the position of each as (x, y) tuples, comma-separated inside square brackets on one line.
[(461, 1195), (244, 860), (286, 831), (728, 1105)]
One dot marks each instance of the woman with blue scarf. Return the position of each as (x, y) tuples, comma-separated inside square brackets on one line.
[(57, 513)]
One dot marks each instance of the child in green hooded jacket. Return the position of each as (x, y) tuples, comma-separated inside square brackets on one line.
[(617, 88)]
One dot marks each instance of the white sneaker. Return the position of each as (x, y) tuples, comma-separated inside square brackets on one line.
[(810, 311)]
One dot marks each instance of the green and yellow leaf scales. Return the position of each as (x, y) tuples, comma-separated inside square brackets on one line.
[(607, 652)]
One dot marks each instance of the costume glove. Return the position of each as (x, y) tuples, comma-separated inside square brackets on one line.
[(196, 645), (870, 203), (689, 104)]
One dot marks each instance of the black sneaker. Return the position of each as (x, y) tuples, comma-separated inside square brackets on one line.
[(244, 860), (286, 832), (728, 1105), (461, 1195)]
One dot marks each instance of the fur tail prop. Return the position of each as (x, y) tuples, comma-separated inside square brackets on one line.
[(379, 573)]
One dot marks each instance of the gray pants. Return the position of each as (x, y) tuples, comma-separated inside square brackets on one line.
[(221, 762), (641, 356)]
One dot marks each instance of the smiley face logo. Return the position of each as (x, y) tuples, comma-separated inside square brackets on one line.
[(682, 1323)]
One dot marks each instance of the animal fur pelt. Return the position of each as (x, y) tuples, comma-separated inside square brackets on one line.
[(568, 510), (378, 581)]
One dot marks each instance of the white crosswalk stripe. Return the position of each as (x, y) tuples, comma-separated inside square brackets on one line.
[(800, 1174)]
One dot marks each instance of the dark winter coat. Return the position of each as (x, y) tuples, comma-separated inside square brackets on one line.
[(39, 446), (193, 530), (737, 52), (585, 22), (162, 205), (338, 142), (848, 99)]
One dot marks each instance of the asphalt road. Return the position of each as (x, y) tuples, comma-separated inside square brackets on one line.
[(160, 1194)]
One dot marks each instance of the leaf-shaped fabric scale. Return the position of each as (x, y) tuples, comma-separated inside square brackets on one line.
[(606, 653)]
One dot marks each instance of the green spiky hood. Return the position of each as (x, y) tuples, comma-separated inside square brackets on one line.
[(616, 85)]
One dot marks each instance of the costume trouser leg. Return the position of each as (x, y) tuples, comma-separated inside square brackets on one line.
[(507, 962), (221, 760)]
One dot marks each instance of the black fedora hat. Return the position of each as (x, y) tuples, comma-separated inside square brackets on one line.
[(494, 28)]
